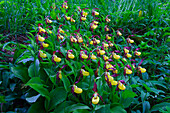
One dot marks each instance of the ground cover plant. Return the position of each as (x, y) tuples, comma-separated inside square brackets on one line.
[(83, 58)]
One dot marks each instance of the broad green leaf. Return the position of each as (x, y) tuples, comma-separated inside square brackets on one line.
[(21, 72), (34, 69), (77, 106), (37, 107), (37, 85), (162, 105), (33, 98), (66, 83), (61, 108), (146, 107), (117, 109), (104, 109), (57, 96)]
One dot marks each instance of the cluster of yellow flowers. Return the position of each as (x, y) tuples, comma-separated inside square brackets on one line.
[(99, 51)]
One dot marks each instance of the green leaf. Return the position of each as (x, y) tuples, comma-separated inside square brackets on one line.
[(36, 84), (33, 98), (162, 105), (128, 94), (2, 99), (104, 109), (66, 83), (146, 106), (117, 109), (21, 72), (37, 107), (34, 69), (127, 97), (57, 96), (77, 106), (61, 108)]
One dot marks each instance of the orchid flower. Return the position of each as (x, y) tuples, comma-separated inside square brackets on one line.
[(48, 21), (40, 38), (130, 41), (119, 33), (83, 54), (45, 44), (65, 5), (76, 89), (95, 12), (71, 19), (85, 73), (70, 55), (95, 98), (121, 85), (106, 28), (107, 19), (108, 37), (142, 70), (40, 29), (41, 54), (137, 53)]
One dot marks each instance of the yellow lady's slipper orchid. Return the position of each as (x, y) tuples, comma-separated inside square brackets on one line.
[(130, 41), (113, 82), (128, 55), (119, 33), (116, 56), (56, 59), (105, 45), (95, 22), (107, 20), (142, 70), (42, 55), (94, 26), (101, 52), (60, 36), (106, 57), (61, 31), (40, 38), (48, 20), (95, 99), (85, 73), (77, 90), (108, 37), (60, 75), (45, 44), (91, 42), (98, 41), (72, 20), (140, 13), (96, 13), (67, 17), (85, 13), (137, 53), (84, 56), (121, 86), (115, 71), (80, 39), (128, 71), (70, 55), (126, 50), (109, 66), (73, 39), (41, 30), (93, 57), (83, 18)]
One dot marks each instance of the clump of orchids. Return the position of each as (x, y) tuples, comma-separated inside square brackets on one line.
[(90, 51)]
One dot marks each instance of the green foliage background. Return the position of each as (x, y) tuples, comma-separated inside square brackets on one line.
[(152, 34)]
